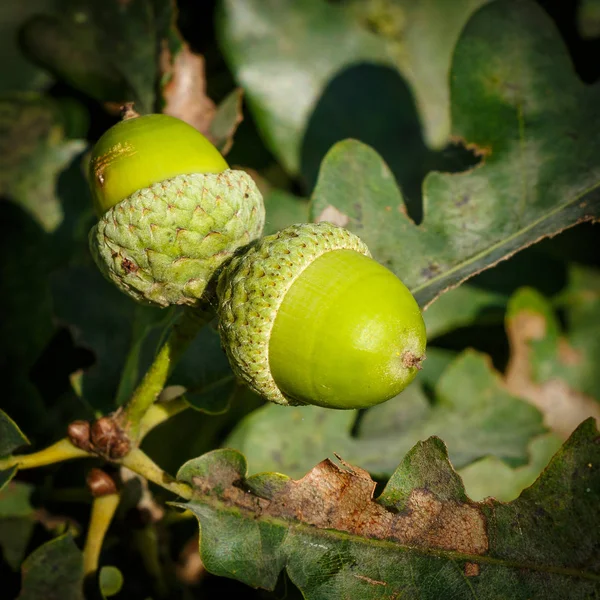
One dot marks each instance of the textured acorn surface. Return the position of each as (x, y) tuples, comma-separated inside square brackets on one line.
[(140, 151), (252, 288), (163, 244), (348, 334)]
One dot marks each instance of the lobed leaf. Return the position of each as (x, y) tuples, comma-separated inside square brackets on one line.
[(422, 538), (17, 520), (54, 570), (539, 174), (34, 150), (555, 370), (472, 412), (288, 56)]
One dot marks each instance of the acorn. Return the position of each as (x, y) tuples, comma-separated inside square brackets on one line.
[(306, 316), (170, 210)]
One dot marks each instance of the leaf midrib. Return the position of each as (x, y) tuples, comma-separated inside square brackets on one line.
[(483, 253), (451, 555)]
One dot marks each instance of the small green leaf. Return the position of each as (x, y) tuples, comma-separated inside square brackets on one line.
[(221, 466), (555, 370), (205, 373), (16, 519), (110, 580), (146, 320), (537, 178), (461, 307), (580, 303), (283, 209), (214, 398), (54, 570), (6, 476), (33, 152), (422, 538), (14, 500), (473, 413), (15, 534), (11, 437), (490, 477)]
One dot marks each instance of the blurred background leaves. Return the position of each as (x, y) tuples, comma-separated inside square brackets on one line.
[(277, 85)]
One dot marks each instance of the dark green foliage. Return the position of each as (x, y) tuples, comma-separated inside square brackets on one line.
[(449, 136)]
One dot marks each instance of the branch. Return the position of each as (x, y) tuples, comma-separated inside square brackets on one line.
[(139, 462), (59, 451), (104, 506), (182, 334)]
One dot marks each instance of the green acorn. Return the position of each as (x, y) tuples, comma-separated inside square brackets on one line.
[(171, 212), (308, 317)]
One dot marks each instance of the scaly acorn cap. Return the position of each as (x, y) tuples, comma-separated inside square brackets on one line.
[(307, 317), (251, 291), (164, 243), (171, 211)]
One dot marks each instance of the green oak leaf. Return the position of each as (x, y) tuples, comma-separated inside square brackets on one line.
[(420, 37), (146, 320), (15, 534), (11, 437), (16, 521), (580, 305), (472, 412), (34, 149), (286, 55), (463, 306), (205, 373), (557, 370), (6, 476), (422, 538), (283, 209), (108, 50), (539, 172), (53, 571), (15, 500), (18, 74), (491, 477)]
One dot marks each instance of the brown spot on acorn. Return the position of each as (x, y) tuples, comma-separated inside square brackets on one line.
[(129, 266), (410, 360)]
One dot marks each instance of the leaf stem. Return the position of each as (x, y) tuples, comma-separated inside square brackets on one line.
[(182, 334), (103, 511), (139, 462), (158, 413), (57, 452), (147, 542)]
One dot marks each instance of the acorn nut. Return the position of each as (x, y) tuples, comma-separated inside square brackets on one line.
[(306, 316), (170, 209)]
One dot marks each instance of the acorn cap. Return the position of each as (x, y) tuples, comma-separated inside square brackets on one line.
[(253, 286), (164, 243)]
